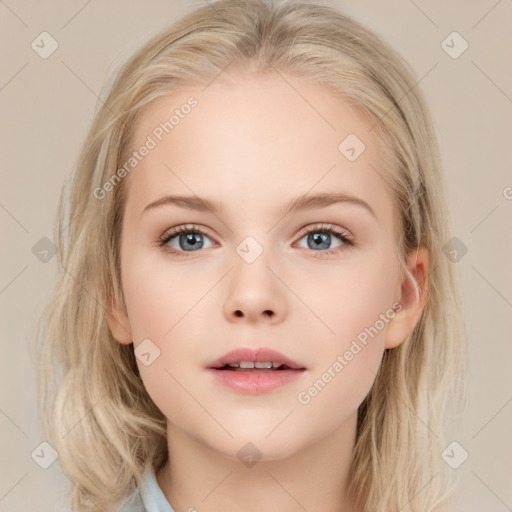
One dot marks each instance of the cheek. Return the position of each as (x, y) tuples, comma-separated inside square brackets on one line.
[(355, 308), (349, 300), (167, 307), (348, 361), (158, 295)]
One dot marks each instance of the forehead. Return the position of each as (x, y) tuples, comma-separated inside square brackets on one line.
[(255, 141)]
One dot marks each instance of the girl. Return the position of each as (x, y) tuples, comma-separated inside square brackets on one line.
[(254, 311)]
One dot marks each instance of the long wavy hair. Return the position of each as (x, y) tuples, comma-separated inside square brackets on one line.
[(93, 405)]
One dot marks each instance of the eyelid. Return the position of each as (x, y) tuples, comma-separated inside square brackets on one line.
[(182, 228), (323, 226)]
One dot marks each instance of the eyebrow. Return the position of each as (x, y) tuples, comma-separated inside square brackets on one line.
[(302, 202)]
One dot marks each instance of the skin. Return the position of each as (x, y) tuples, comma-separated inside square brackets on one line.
[(253, 143)]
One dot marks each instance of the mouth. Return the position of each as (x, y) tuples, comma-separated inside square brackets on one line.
[(255, 371), (255, 360), (250, 366)]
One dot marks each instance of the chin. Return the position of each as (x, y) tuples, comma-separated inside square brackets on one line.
[(250, 444)]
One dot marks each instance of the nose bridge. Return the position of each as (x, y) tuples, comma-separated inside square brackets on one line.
[(254, 292)]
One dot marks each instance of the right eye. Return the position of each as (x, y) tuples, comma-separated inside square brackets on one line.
[(184, 239)]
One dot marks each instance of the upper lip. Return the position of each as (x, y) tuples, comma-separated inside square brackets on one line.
[(256, 355)]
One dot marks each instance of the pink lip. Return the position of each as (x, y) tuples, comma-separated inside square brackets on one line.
[(255, 382)]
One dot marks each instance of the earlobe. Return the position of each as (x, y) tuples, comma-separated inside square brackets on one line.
[(412, 296), (119, 324)]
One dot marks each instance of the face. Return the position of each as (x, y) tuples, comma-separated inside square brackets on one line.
[(316, 283)]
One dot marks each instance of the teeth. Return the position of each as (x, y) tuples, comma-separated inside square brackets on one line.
[(258, 364), (263, 364)]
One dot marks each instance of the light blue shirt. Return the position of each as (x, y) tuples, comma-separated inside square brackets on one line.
[(148, 498)]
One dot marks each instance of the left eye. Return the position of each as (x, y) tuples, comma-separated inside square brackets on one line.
[(321, 238)]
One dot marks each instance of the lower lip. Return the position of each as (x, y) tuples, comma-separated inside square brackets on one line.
[(255, 382)]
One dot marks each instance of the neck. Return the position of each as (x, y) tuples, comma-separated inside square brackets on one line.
[(314, 478)]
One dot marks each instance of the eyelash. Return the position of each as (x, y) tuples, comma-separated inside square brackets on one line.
[(344, 236)]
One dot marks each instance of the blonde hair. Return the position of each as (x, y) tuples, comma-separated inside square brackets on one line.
[(93, 404)]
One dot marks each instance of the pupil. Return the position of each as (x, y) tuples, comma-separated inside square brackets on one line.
[(191, 239), (320, 238)]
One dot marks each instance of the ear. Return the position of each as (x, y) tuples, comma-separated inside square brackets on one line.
[(411, 305), (118, 322)]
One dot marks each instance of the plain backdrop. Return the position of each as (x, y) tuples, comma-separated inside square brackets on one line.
[(47, 105)]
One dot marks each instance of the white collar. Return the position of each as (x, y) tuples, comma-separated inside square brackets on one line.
[(152, 496)]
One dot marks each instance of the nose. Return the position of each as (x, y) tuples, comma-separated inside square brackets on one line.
[(254, 294)]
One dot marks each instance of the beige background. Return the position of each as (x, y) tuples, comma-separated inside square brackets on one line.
[(47, 105)]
